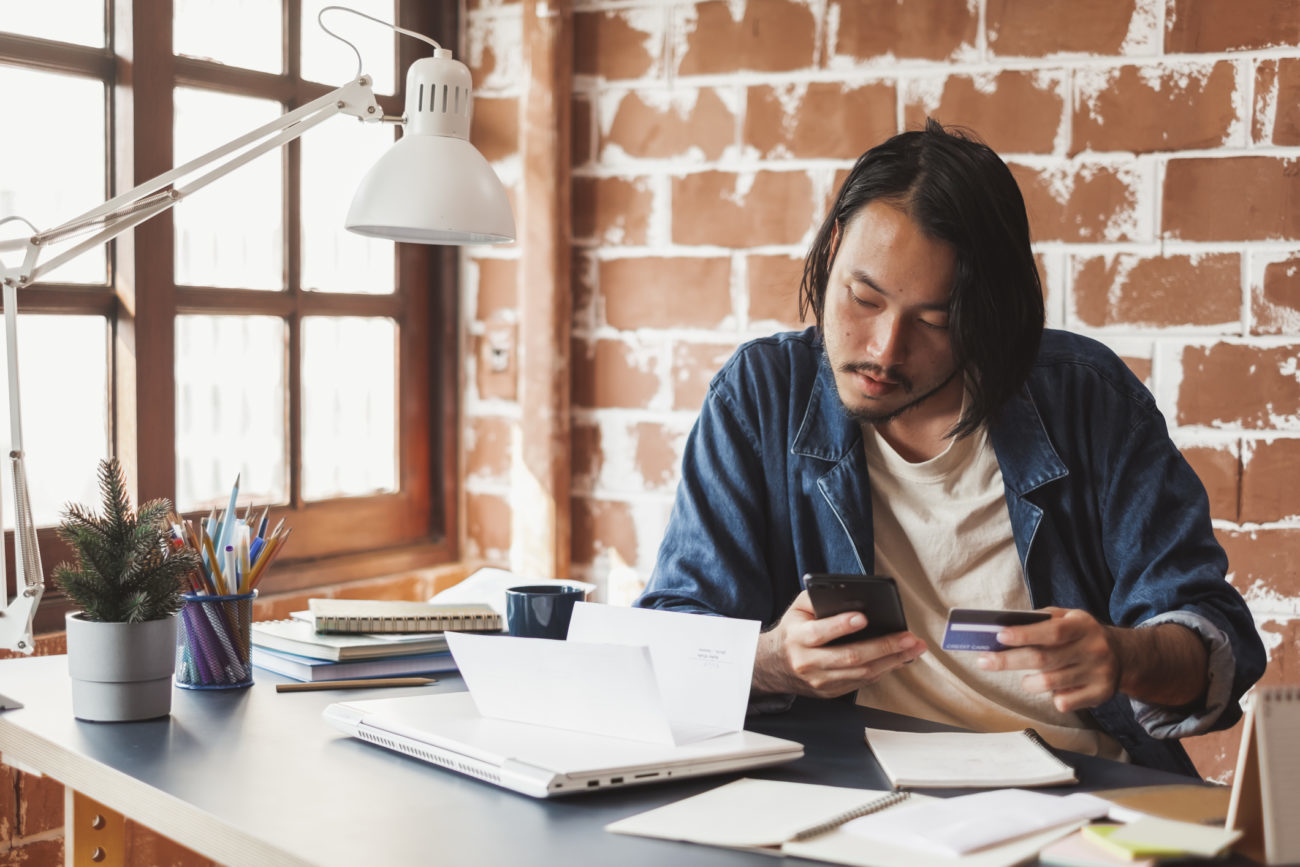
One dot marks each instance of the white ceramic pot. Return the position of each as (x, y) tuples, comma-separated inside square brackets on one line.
[(121, 671)]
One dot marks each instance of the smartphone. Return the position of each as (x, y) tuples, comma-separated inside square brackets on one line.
[(874, 595)]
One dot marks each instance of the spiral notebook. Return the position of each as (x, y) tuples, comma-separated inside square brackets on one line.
[(384, 615), (1266, 788), (967, 760), (807, 820)]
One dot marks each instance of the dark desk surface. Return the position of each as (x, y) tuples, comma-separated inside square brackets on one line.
[(252, 776)]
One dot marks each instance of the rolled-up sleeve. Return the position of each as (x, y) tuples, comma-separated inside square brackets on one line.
[(1164, 722)]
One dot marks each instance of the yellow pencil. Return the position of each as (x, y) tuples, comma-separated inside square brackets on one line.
[(365, 683)]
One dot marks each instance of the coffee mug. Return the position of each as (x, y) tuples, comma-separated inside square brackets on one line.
[(541, 610)]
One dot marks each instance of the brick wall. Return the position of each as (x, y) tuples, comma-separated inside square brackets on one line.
[(1157, 143)]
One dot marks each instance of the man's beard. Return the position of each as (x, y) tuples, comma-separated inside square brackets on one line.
[(866, 416)]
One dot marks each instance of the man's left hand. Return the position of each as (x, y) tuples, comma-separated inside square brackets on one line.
[(1071, 656)]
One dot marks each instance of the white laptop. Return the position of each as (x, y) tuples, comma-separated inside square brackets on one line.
[(446, 729)]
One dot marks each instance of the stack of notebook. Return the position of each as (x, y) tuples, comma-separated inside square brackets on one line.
[(343, 639)]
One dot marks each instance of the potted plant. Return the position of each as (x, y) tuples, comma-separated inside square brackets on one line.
[(127, 581)]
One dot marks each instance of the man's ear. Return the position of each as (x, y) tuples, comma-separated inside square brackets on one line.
[(835, 243)]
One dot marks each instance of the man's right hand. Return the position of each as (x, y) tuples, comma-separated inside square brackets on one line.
[(792, 656)]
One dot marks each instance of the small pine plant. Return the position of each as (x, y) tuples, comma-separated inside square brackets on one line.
[(125, 570)]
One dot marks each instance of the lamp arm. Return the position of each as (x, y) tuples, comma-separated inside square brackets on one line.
[(112, 218)]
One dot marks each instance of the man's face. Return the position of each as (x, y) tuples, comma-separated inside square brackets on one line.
[(885, 318)]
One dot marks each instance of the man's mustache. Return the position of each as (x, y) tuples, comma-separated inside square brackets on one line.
[(888, 374)]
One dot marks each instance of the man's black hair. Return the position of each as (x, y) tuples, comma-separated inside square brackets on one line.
[(957, 190)]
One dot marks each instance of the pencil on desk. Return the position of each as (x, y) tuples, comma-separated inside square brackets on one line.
[(354, 684)]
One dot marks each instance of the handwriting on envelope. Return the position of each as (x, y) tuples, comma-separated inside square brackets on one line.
[(634, 673)]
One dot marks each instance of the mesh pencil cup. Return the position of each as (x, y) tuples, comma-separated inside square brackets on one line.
[(212, 641)]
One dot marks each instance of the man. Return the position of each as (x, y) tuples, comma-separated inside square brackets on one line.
[(930, 429)]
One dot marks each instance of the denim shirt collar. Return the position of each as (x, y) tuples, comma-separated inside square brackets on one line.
[(1025, 452)]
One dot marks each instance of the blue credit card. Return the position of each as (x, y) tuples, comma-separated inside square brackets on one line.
[(978, 628)]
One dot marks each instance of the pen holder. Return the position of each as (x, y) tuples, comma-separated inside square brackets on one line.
[(212, 641)]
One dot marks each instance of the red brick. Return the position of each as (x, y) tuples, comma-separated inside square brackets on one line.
[(657, 457), (40, 853), (1012, 111), (1037, 28), (1277, 102), (146, 846), (1230, 25), (40, 805), (1141, 368), (1165, 291), (585, 455), (611, 373), (610, 45), (1284, 659), (1275, 306), (772, 36), (494, 128), (488, 448), (487, 523), (1262, 561), (1220, 471), (582, 132), (650, 293), (582, 273), (694, 365), (497, 287), (603, 527), (925, 29), (714, 208), (1215, 754), (612, 210), (672, 126), (1268, 482), (1081, 202), (1228, 385), (819, 119), (1147, 108), (1232, 199), (774, 289), (8, 802), (501, 384)]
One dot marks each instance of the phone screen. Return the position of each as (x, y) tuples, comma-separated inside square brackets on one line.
[(876, 596)]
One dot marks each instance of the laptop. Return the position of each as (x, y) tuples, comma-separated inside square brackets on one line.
[(445, 729)]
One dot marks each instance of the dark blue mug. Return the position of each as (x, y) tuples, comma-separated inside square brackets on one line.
[(541, 610)]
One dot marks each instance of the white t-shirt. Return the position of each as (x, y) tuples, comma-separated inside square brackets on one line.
[(942, 531)]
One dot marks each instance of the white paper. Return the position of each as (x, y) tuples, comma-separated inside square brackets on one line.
[(600, 689), (967, 823), (488, 587), (606, 680), (703, 664)]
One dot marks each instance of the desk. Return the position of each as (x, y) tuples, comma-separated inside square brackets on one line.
[(255, 777)]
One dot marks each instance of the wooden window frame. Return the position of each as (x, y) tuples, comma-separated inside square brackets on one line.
[(334, 540)]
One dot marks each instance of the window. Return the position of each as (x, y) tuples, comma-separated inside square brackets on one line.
[(243, 332)]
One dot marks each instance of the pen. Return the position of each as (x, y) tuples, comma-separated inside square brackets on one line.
[(354, 684)]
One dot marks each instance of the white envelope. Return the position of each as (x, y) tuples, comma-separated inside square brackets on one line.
[(487, 586), (640, 674)]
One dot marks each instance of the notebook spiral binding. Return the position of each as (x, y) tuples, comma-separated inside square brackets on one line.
[(1038, 739), (865, 810)]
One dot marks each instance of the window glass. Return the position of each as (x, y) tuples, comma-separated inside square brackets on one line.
[(78, 21), (63, 383), (244, 33), (349, 406), (230, 410), (231, 232), (329, 61), (53, 171), (335, 156)]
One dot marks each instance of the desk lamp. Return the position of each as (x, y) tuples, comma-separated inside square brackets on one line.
[(431, 187)]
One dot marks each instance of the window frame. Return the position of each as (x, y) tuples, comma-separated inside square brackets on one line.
[(334, 540)]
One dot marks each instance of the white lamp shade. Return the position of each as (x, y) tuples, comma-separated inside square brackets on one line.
[(432, 189)]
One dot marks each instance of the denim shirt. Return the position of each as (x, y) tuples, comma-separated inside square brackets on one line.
[(1107, 515)]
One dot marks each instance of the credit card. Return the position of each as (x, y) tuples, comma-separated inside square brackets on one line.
[(978, 628)]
